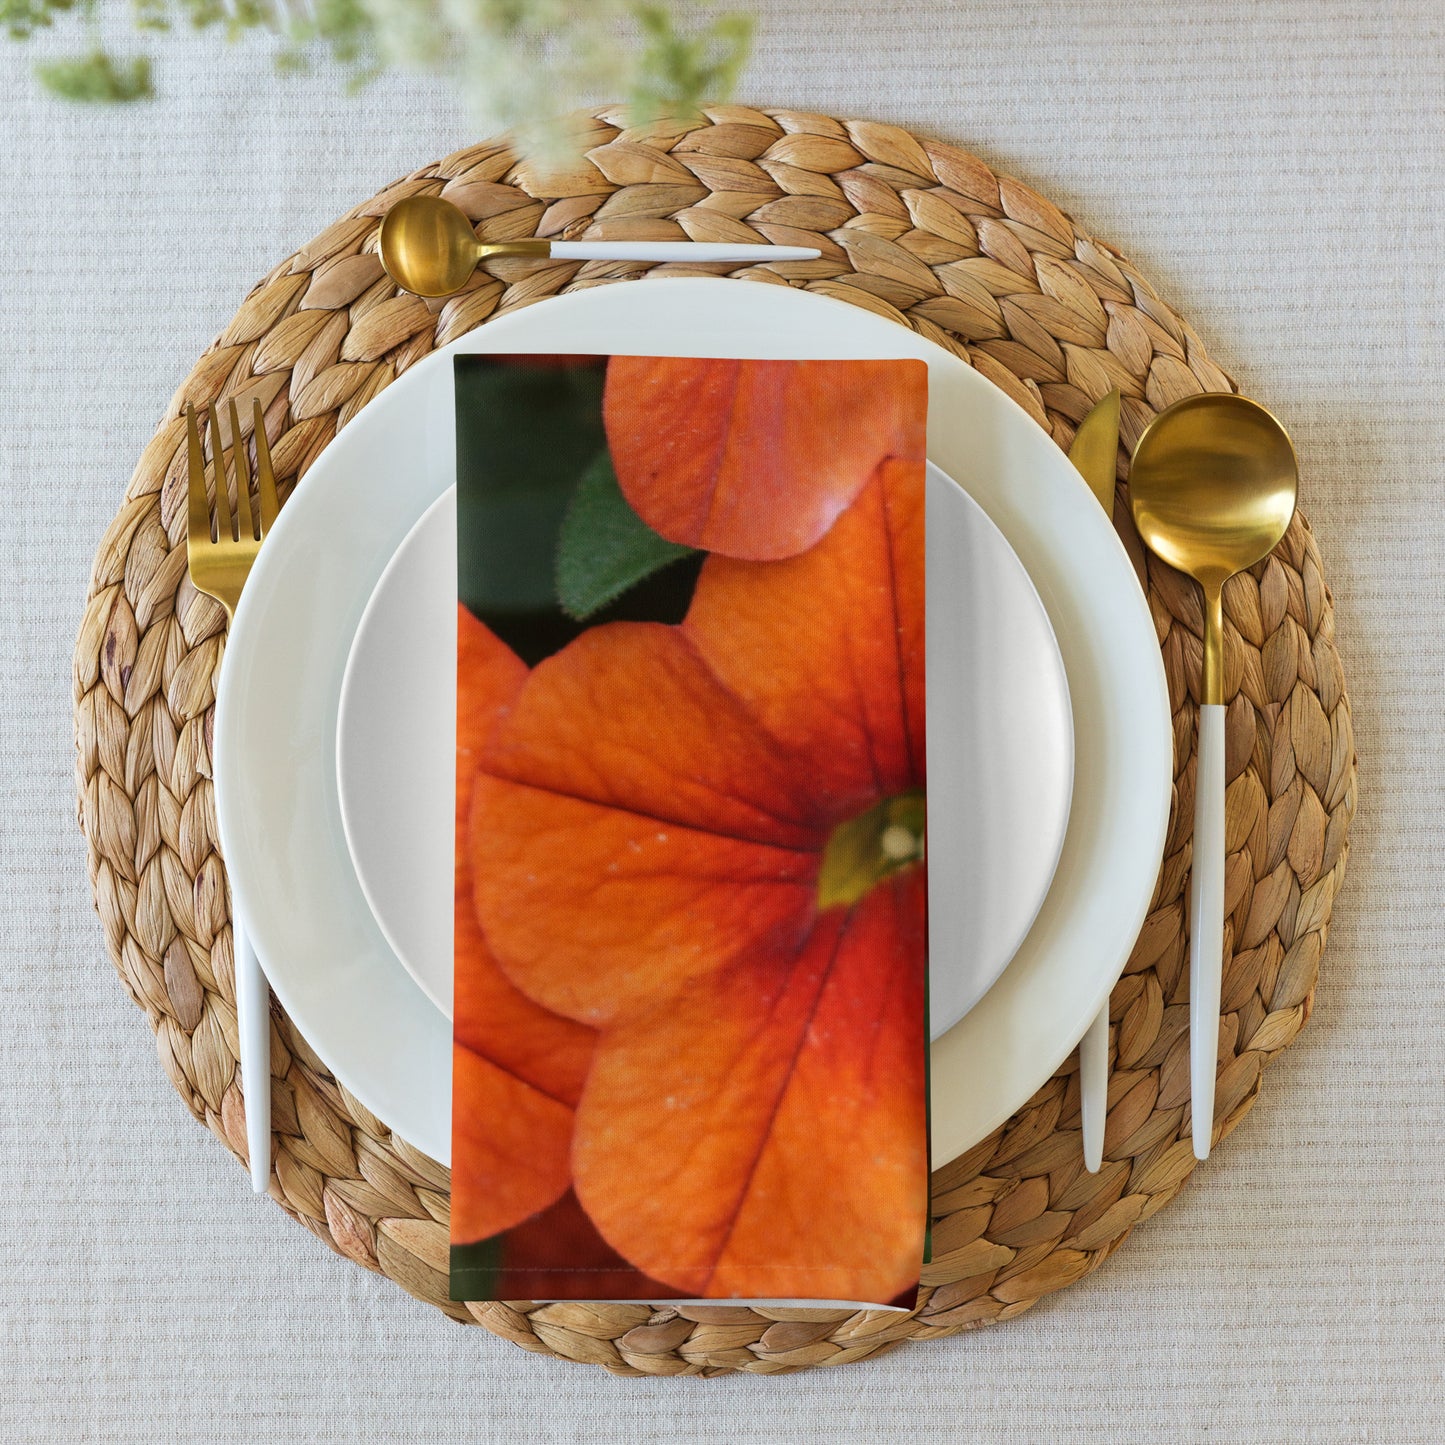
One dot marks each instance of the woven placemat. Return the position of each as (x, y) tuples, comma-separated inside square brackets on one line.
[(933, 239)]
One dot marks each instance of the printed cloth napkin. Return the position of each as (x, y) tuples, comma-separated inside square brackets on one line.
[(691, 902)]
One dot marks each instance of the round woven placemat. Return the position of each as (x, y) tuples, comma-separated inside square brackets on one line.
[(932, 238)]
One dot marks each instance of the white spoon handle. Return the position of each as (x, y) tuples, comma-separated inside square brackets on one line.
[(678, 251), (253, 1024), (1094, 1088), (1206, 923)]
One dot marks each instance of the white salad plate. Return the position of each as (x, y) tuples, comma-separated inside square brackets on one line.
[(278, 802), (1000, 768)]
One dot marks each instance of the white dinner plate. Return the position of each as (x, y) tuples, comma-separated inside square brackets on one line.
[(1000, 757), (277, 706)]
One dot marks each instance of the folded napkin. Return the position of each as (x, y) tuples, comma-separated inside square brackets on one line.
[(691, 904)]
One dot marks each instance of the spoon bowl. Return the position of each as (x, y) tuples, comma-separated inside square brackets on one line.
[(428, 246), (1213, 485)]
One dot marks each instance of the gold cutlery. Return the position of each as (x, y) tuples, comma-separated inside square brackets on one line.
[(219, 560), (1095, 450), (429, 248), (1212, 488), (1095, 454)]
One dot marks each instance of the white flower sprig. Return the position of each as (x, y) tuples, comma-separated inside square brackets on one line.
[(518, 62)]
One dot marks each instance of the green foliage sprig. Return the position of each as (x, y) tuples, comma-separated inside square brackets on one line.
[(517, 61)]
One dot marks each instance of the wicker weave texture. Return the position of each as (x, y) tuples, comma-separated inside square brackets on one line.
[(930, 237)]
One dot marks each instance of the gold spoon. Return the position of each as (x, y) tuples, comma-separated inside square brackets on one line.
[(1212, 489), (429, 248)]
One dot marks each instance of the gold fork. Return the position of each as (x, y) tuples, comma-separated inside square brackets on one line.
[(219, 564)]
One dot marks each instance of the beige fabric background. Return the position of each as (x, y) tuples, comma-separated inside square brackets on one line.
[(1277, 167)]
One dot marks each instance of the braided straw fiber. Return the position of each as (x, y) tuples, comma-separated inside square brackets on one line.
[(930, 237)]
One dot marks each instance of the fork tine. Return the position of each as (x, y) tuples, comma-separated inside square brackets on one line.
[(240, 466), (265, 476), (198, 508), (224, 530)]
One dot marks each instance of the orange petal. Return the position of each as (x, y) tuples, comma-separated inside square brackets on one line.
[(827, 649), (496, 1021), (517, 1069), (764, 1134), (489, 676), (510, 1148), (634, 827), (755, 459)]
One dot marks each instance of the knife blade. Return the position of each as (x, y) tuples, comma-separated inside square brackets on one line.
[(1095, 449), (1095, 455)]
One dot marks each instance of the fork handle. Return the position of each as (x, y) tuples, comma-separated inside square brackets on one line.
[(1094, 1088), (253, 1023), (1206, 924)]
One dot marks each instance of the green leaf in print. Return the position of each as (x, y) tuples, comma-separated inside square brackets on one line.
[(605, 547)]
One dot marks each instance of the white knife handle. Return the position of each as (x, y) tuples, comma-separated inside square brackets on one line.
[(253, 1023), (1206, 923), (1094, 1088), (678, 251)]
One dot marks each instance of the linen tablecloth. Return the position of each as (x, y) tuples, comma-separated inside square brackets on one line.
[(1276, 168)]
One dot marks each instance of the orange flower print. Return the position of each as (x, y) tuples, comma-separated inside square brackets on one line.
[(725, 455), (704, 842), (517, 1068)]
